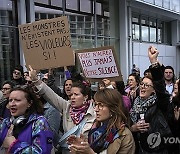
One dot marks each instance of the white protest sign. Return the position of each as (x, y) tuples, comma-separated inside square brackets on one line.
[(100, 63)]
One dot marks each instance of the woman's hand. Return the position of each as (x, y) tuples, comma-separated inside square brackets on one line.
[(83, 148), (79, 145), (33, 74), (153, 54), (140, 127), (177, 113)]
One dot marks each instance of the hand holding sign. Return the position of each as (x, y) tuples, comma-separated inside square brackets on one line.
[(33, 74)]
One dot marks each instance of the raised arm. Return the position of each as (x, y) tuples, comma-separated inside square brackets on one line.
[(48, 94), (158, 79)]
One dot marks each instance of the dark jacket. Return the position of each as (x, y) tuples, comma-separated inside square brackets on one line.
[(156, 116)]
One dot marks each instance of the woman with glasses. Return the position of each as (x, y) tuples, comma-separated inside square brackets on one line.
[(74, 111), (27, 131), (109, 133), (6, 88), (150, 109)]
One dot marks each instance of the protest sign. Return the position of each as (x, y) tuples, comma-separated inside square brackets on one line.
[(98, 63), (46, 43)]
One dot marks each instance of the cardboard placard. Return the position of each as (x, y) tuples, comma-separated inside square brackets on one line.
[(99, 63), (46, 43)]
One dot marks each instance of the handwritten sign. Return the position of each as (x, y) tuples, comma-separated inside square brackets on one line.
[(46, 43), (99, 62)]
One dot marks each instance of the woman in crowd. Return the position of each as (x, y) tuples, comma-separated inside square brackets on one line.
[(67, 89), (119, 85), (6, 88), (26, 131), (74, 111), (109, 133), (133, 83), (149, 111)]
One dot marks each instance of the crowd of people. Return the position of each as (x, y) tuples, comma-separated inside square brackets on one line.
[(137, 117)]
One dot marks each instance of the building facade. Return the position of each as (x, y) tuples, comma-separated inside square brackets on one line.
[(131, 26)]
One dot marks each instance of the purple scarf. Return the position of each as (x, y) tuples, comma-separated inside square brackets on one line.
[(77, 114)]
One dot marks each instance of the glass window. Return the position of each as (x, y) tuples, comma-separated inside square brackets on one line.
[(152, 34), (72, 18), (85, 6), (166, 4), (43, 16), (144, 33), (41, 1), (159, 35), (149, 1), (8, 37), (50, 16), (72, 4), (175, 5), (56, 3), (135, 32), (98, 9), (135, 20), (159, 2)]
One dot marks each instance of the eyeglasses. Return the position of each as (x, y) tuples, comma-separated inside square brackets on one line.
[(145, 85), (17, 73), (98, 105), (5, 89)]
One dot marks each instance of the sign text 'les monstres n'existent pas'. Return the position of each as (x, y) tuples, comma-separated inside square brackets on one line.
[(48, 40)]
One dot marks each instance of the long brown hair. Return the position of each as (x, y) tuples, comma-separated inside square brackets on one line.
[(112, 99)]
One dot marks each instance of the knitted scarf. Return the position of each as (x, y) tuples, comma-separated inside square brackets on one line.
[(141, 106), (99, 139), (77, 114)]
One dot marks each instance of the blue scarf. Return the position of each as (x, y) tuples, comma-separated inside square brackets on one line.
[(99, 139)]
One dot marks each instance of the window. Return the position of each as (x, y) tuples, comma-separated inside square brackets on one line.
[(72, 4), (175, 5), (135, 28), (166, 4), (41, 1), (85, 6), (144, 29), (160, 32), (149, 30), (159, 2), (56, 3), (149, 1), (152, 25)]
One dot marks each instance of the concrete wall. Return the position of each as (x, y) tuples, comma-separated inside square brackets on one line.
[(168, 55)]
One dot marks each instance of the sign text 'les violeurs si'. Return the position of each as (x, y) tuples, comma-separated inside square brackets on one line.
[(46, 43)]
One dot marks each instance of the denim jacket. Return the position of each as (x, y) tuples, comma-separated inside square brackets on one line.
[(35, 137)]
